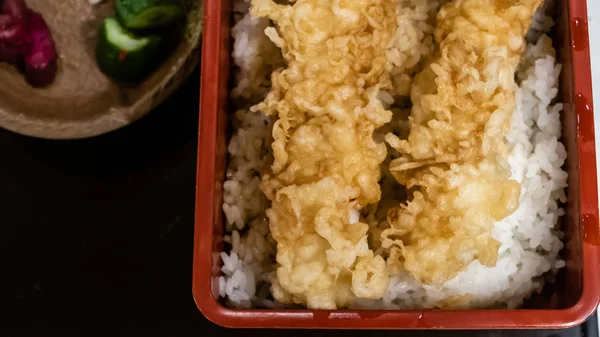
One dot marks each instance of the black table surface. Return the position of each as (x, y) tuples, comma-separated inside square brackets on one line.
[(96, 235)]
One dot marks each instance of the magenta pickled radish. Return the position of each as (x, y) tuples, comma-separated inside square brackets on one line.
[(14, 39), (41, 58), (26, 39), (13, 32), (15, 8), (6, 20)]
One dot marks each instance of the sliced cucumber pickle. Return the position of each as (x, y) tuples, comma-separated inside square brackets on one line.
[(148, 14), (124, 56)]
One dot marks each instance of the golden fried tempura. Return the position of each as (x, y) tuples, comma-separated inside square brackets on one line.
[(454, 158), (326, 163)]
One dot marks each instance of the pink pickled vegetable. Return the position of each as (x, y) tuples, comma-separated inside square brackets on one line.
[(15, 8), (13, 31), (6, 20), (40, 59), (14, 39), (25, 39)]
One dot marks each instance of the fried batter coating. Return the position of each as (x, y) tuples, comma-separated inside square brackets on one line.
[(454, 157), (326, 163)]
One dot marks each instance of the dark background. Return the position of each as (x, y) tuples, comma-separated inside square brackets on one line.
[(96, 235)]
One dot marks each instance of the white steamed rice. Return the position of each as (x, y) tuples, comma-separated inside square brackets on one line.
[(530, 238)]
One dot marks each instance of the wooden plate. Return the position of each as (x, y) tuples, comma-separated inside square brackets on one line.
[(83, 102)]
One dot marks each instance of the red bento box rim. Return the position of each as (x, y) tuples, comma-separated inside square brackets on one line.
[(414, 319)]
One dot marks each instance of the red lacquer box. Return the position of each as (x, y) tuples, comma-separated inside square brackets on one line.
[(567, 303)]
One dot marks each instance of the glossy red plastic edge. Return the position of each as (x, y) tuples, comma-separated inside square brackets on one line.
[(583, 248)]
